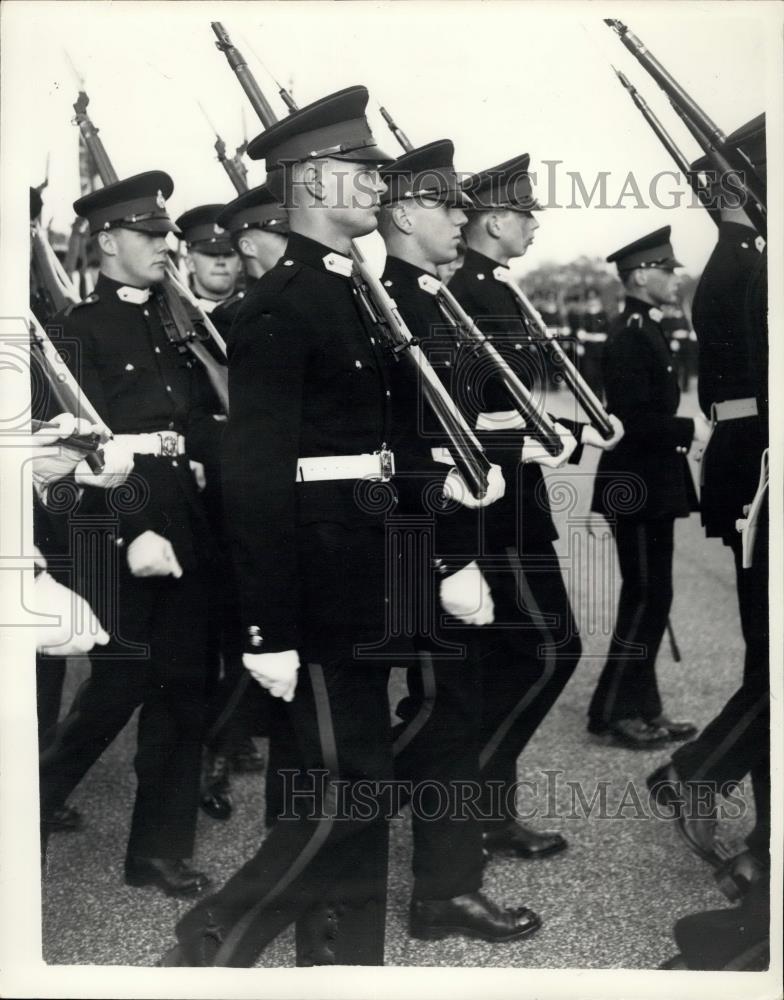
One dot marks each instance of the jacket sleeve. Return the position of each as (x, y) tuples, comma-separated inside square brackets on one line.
[(628, 375), (267, 364)]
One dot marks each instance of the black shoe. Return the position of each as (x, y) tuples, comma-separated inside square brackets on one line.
[(514, 838), (246, 759), (678, 730), (696, 822), (216, 787), (637, 734), (63, 819), (737, 875), (173, 875), (472, 915), (199, 938)]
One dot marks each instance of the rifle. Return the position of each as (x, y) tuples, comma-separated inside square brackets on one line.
[(523, 401), (724, 157), (188, 320), (692, 176), (49, 275), (467, 452), (68, 393), (233, 165)]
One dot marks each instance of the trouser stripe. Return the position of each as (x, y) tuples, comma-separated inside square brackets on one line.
[(425, 709), (323, 828), (731, 738), (530, 602)]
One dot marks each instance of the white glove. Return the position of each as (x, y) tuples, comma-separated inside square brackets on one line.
[(78, 629), (702, 430), (465, 595), (592, 437), (533, 451), (199, 475), (456, 489), (150, 554), (276, 672), (57, 464), (117, 466)]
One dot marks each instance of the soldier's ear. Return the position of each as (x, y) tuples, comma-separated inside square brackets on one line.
[(246, 246), (310, 180), (401, 217), (493, 224), (107, 242), (190, 266)]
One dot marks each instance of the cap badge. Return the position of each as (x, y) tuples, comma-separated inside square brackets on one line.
[(218, 230), (160, 201), (656, 315)]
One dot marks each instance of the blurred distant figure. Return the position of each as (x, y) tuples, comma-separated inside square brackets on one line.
[(591, 338)]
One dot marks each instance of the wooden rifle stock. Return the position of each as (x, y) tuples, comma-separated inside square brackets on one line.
[(579, 388), (467, 452), (537, 422), (64, 387), (48, 272)]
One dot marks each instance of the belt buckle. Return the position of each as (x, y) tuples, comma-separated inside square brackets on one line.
[(386, 462), (168, 444)]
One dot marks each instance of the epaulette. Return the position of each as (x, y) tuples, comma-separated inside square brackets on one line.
[(89, 301), (634, 321)]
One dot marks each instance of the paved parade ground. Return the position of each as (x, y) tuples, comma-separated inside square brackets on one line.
[(608, 902)]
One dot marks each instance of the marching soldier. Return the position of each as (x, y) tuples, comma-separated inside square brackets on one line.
[(421, 222), (213, 263), (310, 420), (527, 660), (151, 592), (641, 488), (729, 314), (258, 229), (232, 714)]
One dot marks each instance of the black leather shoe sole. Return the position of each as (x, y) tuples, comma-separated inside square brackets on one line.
[(511, 851), (143, 880), (421, 931)]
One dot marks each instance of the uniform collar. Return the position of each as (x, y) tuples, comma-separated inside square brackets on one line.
[(106, 288), (304, 250), (635, 305), (481, 266), (397, 270)]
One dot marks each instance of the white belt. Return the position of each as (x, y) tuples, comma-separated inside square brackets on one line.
[(161, 443), (734, 409), (379, 465), (594, 338), (500, 420)]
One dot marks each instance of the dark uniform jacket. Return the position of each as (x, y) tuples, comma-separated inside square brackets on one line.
[(307, 378), (494, 309), (224, 314), (139, 382), (646, 477), (731, 463)]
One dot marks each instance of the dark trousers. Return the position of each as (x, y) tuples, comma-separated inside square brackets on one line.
[(169, 616), (737, 741), (436, 750), (524, 661), (320, 848), (49, 680), (627, 686)]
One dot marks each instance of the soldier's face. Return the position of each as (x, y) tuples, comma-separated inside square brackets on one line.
[(140, 257), (517, 232), (352, 191), (663, 285), (214, 275), (437, 229)]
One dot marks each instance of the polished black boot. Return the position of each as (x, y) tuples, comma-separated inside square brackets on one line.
[(472, 915), (216, 786), (173, 875), (514, 838)]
